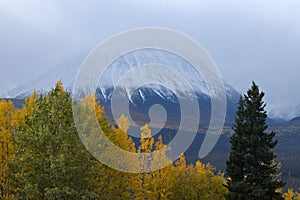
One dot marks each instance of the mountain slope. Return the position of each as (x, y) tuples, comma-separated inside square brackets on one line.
[(67, 72), (143, 97), (287, 113)]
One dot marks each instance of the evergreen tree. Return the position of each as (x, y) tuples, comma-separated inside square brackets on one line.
[(251, 168)]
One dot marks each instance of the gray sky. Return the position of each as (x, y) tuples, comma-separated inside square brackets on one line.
[(248, 40)]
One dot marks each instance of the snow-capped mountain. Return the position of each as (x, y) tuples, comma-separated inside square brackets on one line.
[(287, 113), (143, 97), (67, 72)]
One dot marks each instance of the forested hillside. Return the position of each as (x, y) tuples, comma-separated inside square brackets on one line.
[(43, 158)]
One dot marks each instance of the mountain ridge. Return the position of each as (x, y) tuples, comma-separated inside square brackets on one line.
[(67, 72)]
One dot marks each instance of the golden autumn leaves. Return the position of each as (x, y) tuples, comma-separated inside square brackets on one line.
[(42, 157)]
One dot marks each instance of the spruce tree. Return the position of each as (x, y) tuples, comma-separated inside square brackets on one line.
[(251, 168)]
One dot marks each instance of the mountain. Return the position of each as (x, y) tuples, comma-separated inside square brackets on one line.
[(294, 122), (287, 127), (143, 97), (276, 121), (287, 112), (66, 72)]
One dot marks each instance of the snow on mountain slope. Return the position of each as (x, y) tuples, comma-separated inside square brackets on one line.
[(68, 70), (286, 113), (151, 56), (65, 72)]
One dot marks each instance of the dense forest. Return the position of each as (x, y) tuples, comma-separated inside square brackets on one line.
[(42, 157)]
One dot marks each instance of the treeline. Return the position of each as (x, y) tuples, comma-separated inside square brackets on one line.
[(42, 157)]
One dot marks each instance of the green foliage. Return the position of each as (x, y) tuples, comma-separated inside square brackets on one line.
[(51, 162), (251, 165), (46, 159)]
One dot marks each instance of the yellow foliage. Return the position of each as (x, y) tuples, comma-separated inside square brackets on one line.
[(27, 110), (177, 181), (59, 86), (181, 163), (121, 136), (146, 140), (89, 102), (7, 149), (123, 123), (291, 195)]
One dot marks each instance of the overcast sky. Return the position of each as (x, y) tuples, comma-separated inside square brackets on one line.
[(248, 40)]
